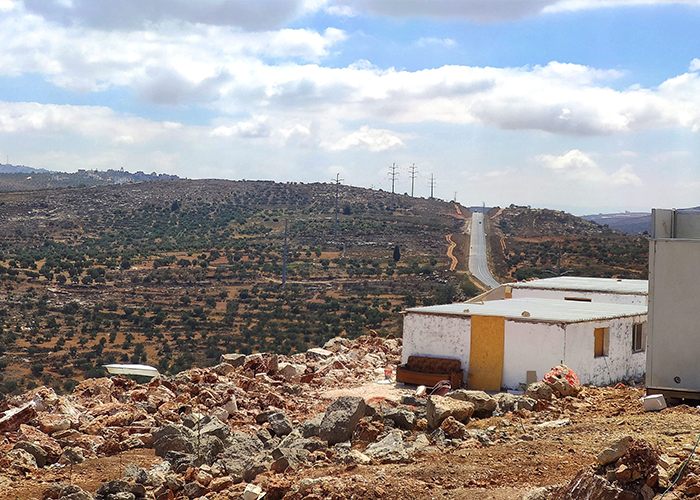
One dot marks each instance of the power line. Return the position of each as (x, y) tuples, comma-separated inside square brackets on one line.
[(413, 169), (393, 174), (337, 181), (432, 185)]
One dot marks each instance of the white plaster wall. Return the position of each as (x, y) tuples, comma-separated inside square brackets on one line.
[(607, 298), (439, 336), (620, 363), (530, 346)]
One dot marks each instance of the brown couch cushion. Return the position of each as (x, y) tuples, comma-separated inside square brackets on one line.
[(424, 364)]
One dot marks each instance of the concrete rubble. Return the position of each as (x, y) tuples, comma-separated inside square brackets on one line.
[(261, 418)]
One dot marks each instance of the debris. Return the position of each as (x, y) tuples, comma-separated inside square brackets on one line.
[(340, 419), (562, 380), (613, 453), (441, 407), (655, 402)]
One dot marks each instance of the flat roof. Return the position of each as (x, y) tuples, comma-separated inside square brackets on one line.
[(538, 310), (580, 284)]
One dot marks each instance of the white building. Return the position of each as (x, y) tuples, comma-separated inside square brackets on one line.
[(503, 343), (607, 290)]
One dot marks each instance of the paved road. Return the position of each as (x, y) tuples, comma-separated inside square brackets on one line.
[(478, 263)]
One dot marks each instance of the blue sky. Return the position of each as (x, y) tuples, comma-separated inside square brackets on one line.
[(583, 105)]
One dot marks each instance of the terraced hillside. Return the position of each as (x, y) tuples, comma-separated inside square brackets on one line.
[(174, 273)]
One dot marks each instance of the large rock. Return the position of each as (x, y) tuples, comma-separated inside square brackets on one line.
[(37, 452), (234, 360), (484, 405), (612, 454), (290, 372), (50, 423), (21, 460), (73, 492), (173, 438), (280, 424), (389, 449), (243, 456), (563, 381), (48, 444), (341, 418), (511, 402), (441, 407), (454, 429), (589, 486), (539, 390), (312, 427), (402, 416), (12, 419), (207, 425)]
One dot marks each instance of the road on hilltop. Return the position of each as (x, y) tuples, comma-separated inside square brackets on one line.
[(478, 262)]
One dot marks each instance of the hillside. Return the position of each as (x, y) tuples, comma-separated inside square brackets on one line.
[(626, 222), (21, 178), (175, 273), (527, 242)]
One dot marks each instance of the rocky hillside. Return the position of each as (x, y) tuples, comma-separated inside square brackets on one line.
[(539, 243), (21, 178)]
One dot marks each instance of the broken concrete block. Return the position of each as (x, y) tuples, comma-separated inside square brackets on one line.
[(441, 407)]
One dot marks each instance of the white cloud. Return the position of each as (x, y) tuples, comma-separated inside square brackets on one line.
[(167, 63), (258, 14), (578, 165), (484, 11), (85, 121), (254, 128), (442, 42), (694, 65), (367, 138)]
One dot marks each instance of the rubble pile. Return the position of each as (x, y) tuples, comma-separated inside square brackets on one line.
[(261, 419)]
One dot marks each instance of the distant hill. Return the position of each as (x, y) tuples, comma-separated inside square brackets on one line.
[(626, 222), (537, 243), (21, 169), (22, 178)]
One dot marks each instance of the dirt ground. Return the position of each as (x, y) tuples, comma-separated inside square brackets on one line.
[(527, 450)]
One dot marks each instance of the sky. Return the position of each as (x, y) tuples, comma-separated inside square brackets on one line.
[(581, 105)]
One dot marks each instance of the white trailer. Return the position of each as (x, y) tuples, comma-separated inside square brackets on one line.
[(673, 336)]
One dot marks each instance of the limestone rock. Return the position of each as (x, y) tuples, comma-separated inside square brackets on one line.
[(484, 405), (49, 423), (401, 416), (173, 438), (441, 407), (510, 402), (539, 390), (341, 418), (280, 424), (21, 459), (12, 419), (234, 360), (613, 453), (312, 427), (454, 429), (389, 449), (47, 443), (36, 451)]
